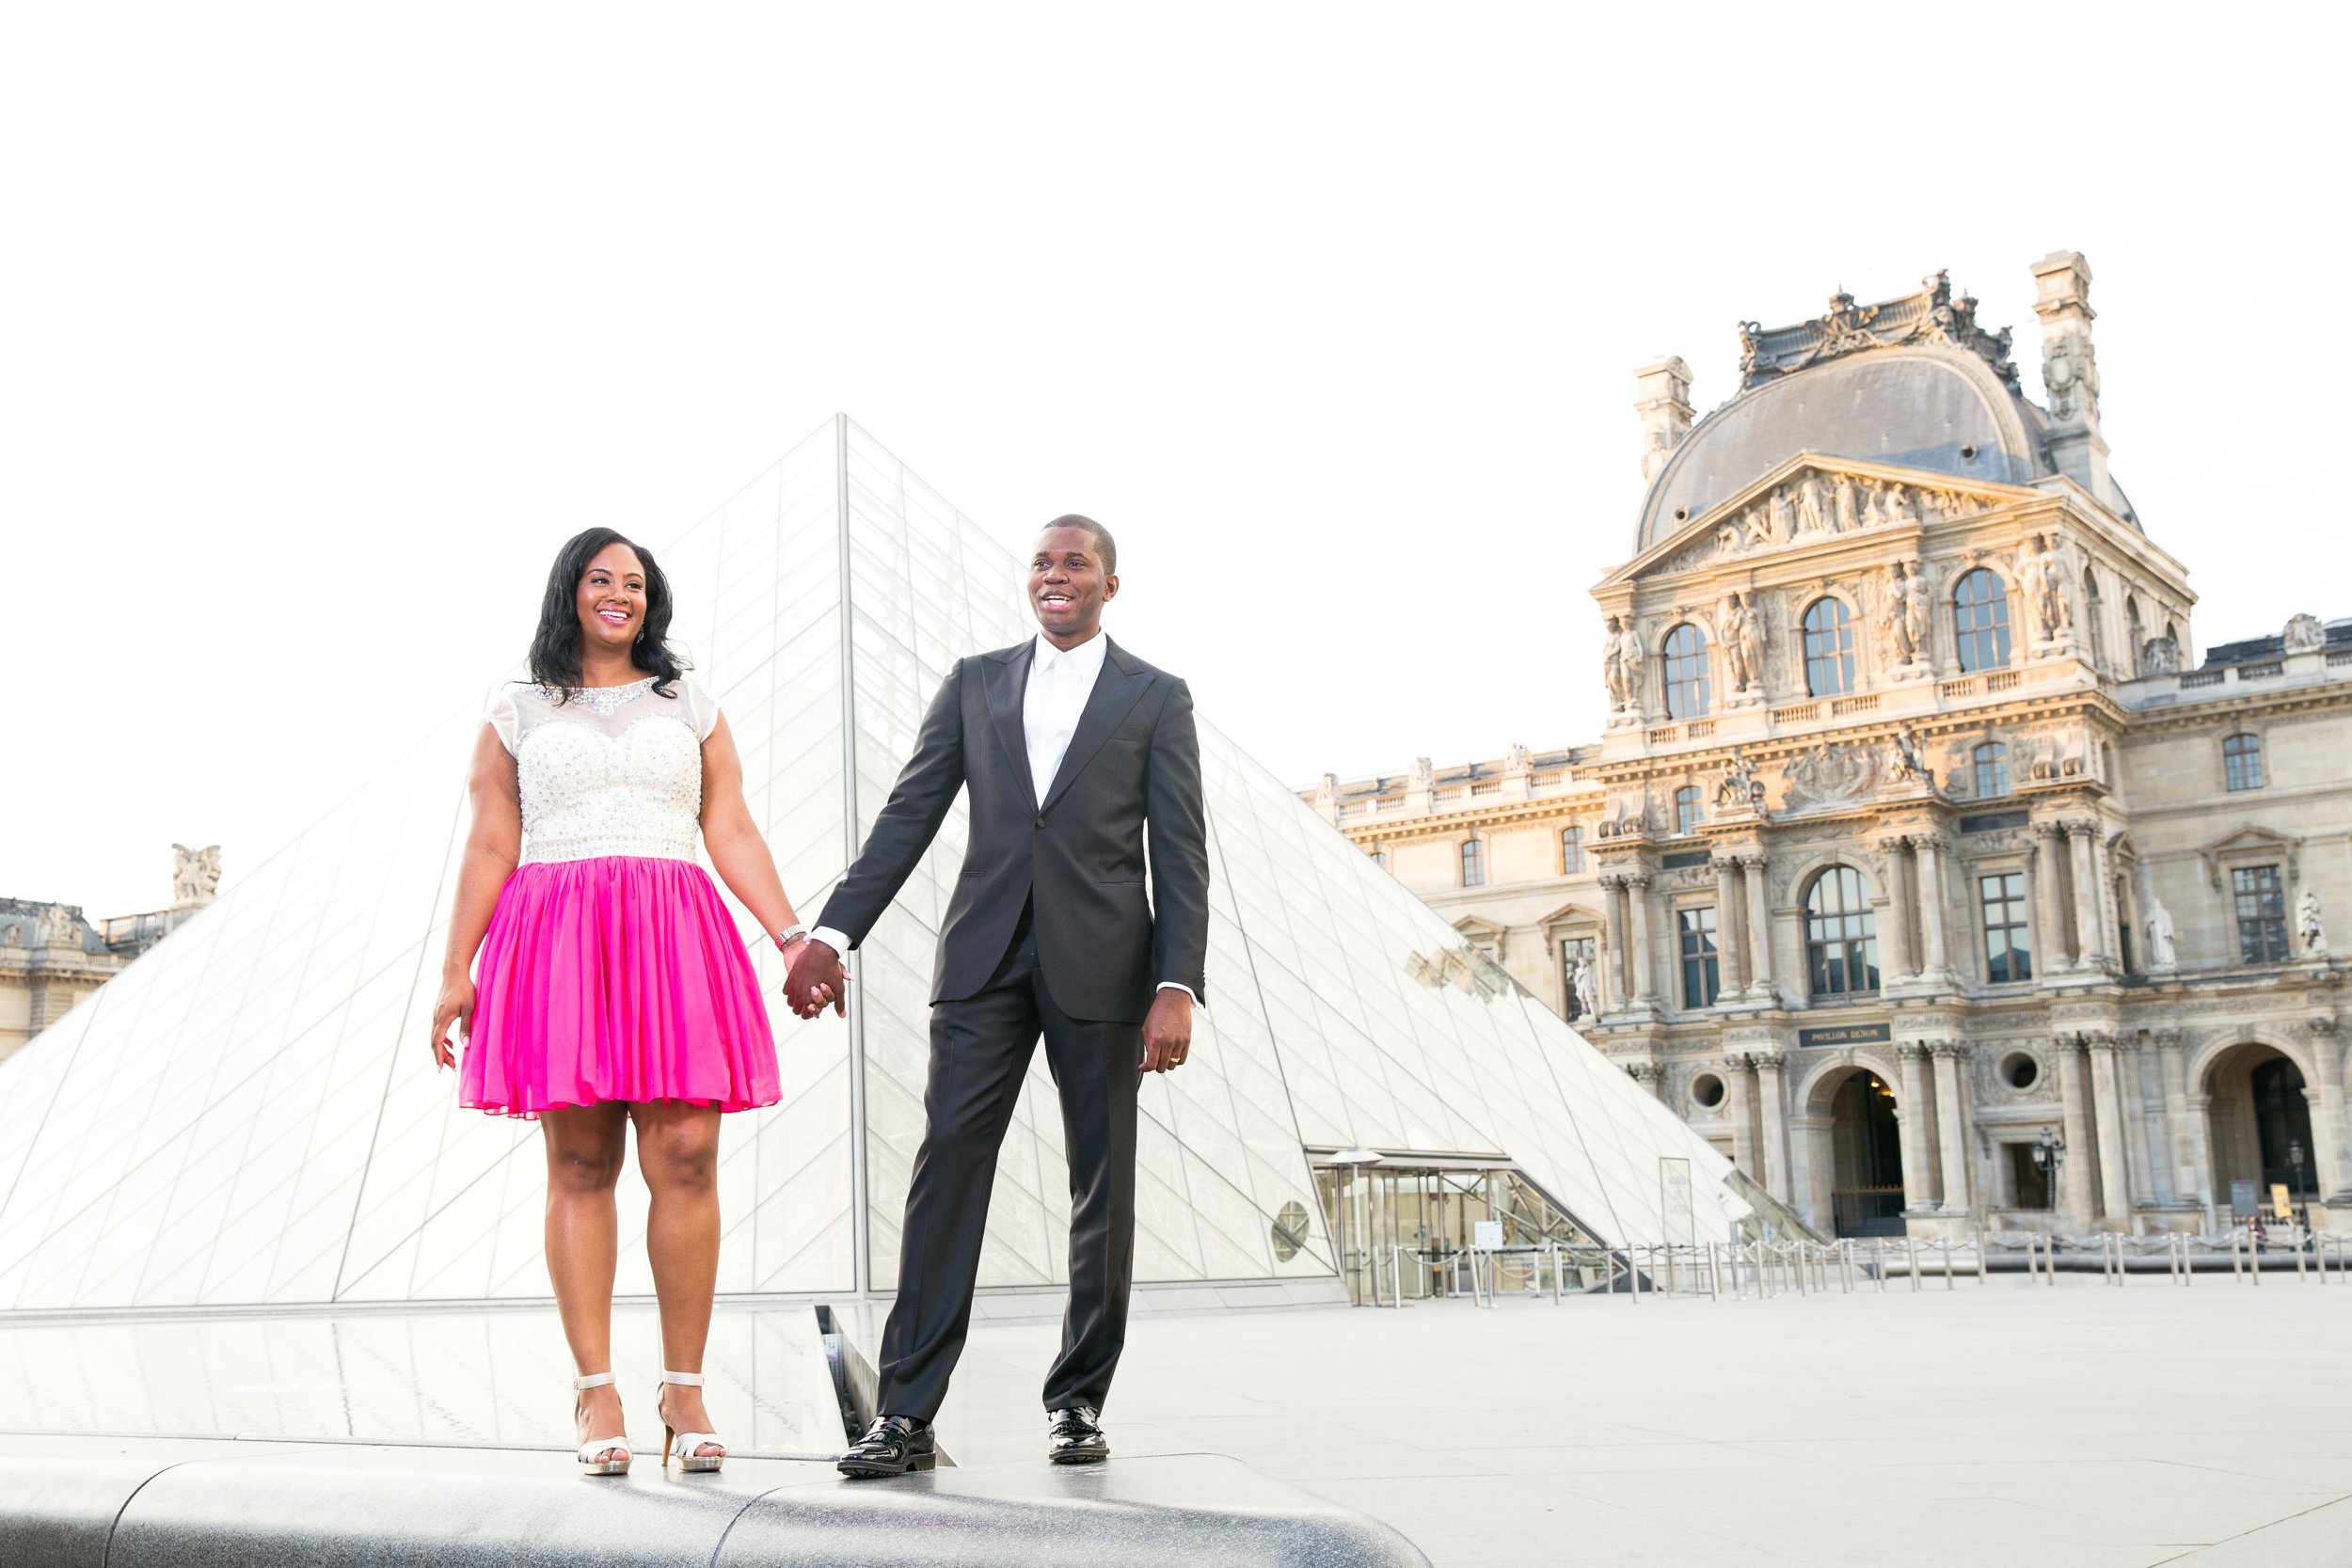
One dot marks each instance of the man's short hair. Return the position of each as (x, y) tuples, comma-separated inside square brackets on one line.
[(1104, 544)]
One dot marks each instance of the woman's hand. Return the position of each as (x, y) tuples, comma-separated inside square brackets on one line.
[(791, 951), (454, 1005)]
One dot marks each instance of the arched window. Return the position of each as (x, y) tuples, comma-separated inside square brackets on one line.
[(1992, 760), (1840, 934), (1686, 673), (2134, 630), (1980, 621), (2242, 762), (2096, 614), (1687, 817), (1571, 849), (1828, 648), (1473, 863)]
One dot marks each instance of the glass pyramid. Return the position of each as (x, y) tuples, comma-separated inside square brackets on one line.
[(249, 1115)]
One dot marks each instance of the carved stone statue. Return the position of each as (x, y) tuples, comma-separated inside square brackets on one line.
[(2305, 634), (1327, 792), (1827, 774), (1621, 666), (58, 928), (1784, 516), (1904, 760), (2160, 656), (1628, 817), (2308, 930), (1736, 627), (2162, 953), (1740, 786), (1519, 759), (1424, 774), (195, 874), (1900, 507), (1587, 988), (1812, 506), (1906, 614), (1845, 508)]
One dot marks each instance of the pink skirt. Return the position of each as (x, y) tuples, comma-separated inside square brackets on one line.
[(619, 977)]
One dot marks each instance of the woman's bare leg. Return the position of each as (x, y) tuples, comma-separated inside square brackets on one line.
[(584, 1145), (677, 1154)]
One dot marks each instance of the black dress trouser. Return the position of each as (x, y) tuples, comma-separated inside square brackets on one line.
[(981, 1050)]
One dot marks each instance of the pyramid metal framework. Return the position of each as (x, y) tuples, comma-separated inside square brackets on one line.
[(247, 1115)]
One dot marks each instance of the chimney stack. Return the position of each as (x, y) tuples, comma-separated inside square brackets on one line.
[(2069, 373), (1664, 405)]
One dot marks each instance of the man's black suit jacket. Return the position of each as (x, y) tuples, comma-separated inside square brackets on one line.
[(1131, 775)]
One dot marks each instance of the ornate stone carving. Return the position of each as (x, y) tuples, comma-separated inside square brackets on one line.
[(2160, 656), (1934, 315), (1906, 617), (1740, 633), (1621, 667), (2163, 953), (2042, 573), (1628, 816), (1424, 774), (1519, 759), (1327, 792), (2309, 930), (1827, 775), (1739, 785), (1905, 765), (195, 874), (2304, 635), (59, 928), (1585, 987)]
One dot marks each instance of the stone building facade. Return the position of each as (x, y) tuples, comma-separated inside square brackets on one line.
[(1913, 866), (52, 956)]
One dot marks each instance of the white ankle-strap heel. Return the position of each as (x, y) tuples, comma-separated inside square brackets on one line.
[(687, 1442), (590, 1463)]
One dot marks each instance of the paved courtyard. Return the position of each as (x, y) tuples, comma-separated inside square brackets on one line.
[(2083, 1426)]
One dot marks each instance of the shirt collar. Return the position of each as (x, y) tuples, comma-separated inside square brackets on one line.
[(1085, 659)]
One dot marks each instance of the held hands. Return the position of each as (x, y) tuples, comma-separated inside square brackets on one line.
[(1167, 1032), (453, 1006), (815, 980)]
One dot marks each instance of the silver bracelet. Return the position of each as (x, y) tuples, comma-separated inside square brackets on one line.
[(790, 934)]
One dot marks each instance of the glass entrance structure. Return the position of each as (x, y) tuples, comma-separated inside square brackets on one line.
[(247, 1115)]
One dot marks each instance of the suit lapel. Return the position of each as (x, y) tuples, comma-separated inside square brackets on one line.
[(1008, 685), (1117, 690)]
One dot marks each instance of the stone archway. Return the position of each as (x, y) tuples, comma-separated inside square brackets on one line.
[(2258, 1119), (1854, 1153)]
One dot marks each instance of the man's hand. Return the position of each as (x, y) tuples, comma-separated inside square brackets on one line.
[(1167, 1032), (815, 978)]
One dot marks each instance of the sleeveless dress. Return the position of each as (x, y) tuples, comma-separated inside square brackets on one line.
[(611, 969)]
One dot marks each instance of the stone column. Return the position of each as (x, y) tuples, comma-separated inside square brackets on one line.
[(2115, 1189), (2133, 1093), (1768, 1089), (1912, 1112), (2081, 834), (1759, 932), (1637, 899), (1651, 1073), (1929, 850), (1952, 1136), (2327, 1119), (2078, 1200), (1743, 1115), (1616, 982), (1895, 928), (2182, 1144), (1727, 933), (2050, 941)]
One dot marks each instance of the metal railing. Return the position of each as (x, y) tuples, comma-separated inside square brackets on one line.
[(1764, 1270)]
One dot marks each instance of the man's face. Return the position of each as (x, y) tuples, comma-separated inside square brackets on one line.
[(1068, 586)]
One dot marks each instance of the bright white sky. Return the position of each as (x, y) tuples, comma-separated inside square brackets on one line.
[(323, 330)]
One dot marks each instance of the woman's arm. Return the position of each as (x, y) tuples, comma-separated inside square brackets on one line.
[(493, 844), (737, 849)]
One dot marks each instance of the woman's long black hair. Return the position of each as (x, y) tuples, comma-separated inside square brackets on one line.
[(555, 647)]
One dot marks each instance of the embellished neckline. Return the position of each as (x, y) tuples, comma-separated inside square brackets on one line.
[(604, 700)]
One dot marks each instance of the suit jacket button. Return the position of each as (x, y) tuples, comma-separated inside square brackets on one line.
[(1040, 820)]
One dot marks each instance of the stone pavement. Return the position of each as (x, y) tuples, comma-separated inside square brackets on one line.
[(2084, 1426)]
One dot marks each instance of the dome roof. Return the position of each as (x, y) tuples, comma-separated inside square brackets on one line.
[(1925, 406)]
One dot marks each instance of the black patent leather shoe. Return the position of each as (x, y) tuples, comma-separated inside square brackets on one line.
[(892, 1445), (1074, 1436)]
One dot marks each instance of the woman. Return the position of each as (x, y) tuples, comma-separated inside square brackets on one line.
[(613, 987)]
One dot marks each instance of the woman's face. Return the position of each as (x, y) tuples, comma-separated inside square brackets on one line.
[(611, 600)]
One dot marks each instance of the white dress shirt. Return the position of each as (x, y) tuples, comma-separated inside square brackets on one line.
[(1060, 681)]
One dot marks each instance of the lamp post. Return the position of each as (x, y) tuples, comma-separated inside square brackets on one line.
[(2295, 1159), (2049, 1154)]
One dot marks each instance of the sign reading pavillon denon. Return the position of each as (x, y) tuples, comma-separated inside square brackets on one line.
[(1846, 1033)]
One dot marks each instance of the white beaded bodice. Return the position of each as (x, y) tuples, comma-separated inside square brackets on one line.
[(614, 770)]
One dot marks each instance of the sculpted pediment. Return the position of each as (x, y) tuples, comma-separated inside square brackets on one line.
[(2251, 843), (1810, 499)]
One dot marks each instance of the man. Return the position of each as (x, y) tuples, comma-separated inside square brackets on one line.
[(1078, 756)]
